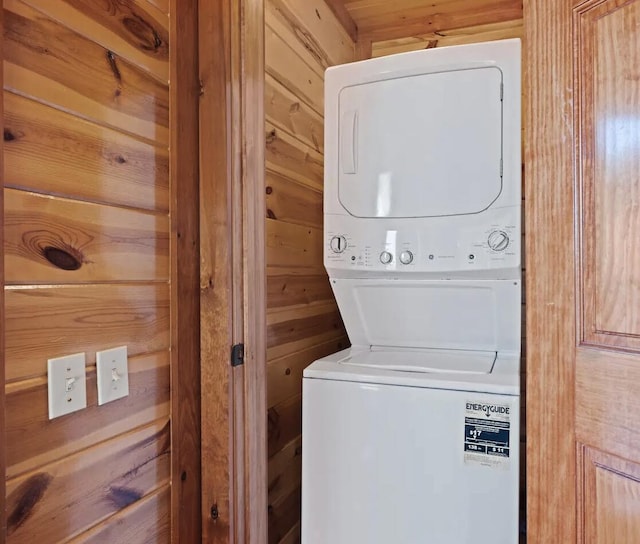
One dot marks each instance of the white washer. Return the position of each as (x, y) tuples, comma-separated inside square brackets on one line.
[(412, 434)]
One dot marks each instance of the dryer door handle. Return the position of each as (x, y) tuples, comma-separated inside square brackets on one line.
[(349, 142)]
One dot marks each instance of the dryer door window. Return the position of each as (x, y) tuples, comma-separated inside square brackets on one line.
[(421, 146)]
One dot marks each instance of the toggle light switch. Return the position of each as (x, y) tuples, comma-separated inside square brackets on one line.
[(113, 374), (67, 384)]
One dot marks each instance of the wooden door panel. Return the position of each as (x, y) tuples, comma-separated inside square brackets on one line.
[(583, 232), (612, 499), (608, 47)]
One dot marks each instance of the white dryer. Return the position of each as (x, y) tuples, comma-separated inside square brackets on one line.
[(412, 435)]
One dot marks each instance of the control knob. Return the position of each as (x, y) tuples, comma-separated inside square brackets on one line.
[(406, 257), (386, 257), (498, 240), (338, 244)]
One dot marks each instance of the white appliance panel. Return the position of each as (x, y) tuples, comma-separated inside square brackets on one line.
[(422, 146), (388, 464), (472, 315), (486, 245)]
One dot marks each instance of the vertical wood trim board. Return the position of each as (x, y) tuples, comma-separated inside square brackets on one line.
[(185, 271), (216, 279), (233, 290), (3, 464), (302, 321), (254, 424), (551, 451)]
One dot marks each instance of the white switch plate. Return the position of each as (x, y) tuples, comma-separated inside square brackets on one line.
[(67, 378), (113, 374)]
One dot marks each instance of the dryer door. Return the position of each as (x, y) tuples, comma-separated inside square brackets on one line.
[(421, 146)]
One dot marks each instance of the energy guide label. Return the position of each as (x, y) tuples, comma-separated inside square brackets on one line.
[(486, 434)]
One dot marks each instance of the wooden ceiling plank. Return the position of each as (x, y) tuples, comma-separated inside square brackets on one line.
[(477, 12), (340, 11), (413, 18)]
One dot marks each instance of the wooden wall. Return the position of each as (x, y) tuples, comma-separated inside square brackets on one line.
[(87, 240), (302, 38)]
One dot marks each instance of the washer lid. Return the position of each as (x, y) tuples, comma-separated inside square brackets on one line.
[(425, 361)]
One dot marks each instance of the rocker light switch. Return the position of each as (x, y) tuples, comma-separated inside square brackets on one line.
[(67, 385), (113, 374)]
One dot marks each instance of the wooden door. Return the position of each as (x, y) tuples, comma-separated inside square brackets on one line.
[(583, 263)]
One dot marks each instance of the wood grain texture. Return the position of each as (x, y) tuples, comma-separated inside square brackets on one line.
[(284, 374), (186, 520), (340, 11), (474, 34), (284, 423), (215, 270), (251, 511), (286, 65), (146, 521), (293, 245), (45, 322), (50, 506), (53, 152), (608, 384), (33, 440), (293, 290), (611, 507), (382, 20), (135, 30), (283, 515), (551, 502), (3, 464), (292, 158), (290, 202), (50, 63), (302, 40), (285, 111), (312, 30), (53, 240), (609, 34)]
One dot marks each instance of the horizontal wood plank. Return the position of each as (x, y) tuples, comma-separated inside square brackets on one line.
[(53, 240), (284, 375), (52, 321), (291, 202), (287, 67), (475, 34), (135, 30), (340, 11), (146, 521), (282, 350), (298, 329), (162, 5), (286, 482), (279, 462), (390, 20), (312, 30), (283, 516), (293, 536), (47, 61), (289, 290), (287, 112), (293, 245), (284, 423), (52, 152), (67, 497), (291, 158), (33, 440)]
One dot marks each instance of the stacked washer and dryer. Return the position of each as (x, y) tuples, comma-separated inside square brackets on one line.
[(412, 435)]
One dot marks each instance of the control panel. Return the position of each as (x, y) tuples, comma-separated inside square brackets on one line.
[(424, 245)]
